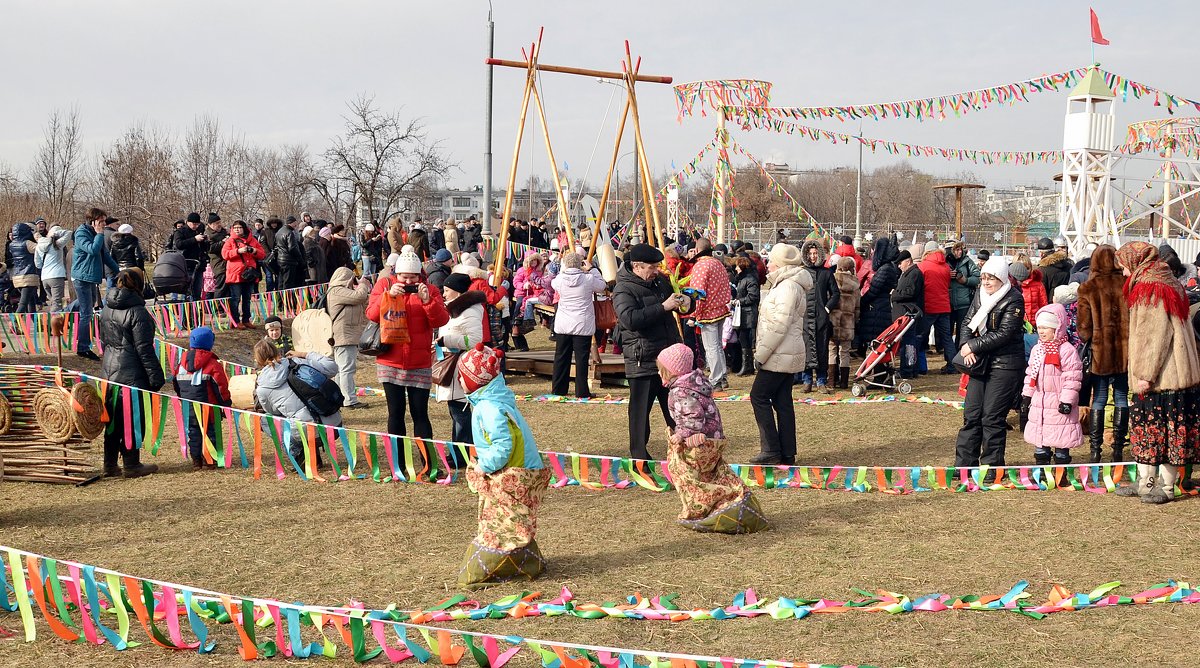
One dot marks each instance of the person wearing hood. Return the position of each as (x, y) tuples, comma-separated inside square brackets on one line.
[(746, 296), (714, 498), (406, 369), (200, 377), (909, 299), (51, 259), (1055, 266), (779, 350), (275, 396), (347, 306), (1082, 267), (875, 306), (464, 330), (508, 476), (574, 322), (936, 316), (646, 306), (243, 256), (993, 340), (87, 271), (1164, 374), (709, 276), (127, 332), (822, 298), (1032, 285), (1103, 321), (126, 249), (314, 258), (1050, 394), (22, 269), (338, 253), (964, 282), (527, 288), (842, 320)]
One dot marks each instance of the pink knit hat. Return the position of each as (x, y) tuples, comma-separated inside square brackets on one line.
[(677, 359)]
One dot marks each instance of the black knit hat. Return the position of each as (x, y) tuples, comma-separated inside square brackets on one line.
[(213, 218), (904, 255), (193, 217), (458, 282)]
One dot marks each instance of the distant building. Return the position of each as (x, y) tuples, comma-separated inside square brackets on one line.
[(1038, 203)]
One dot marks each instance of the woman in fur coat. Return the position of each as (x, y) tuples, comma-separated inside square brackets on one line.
[(1164, 373), (843, 318), (1103, 320)]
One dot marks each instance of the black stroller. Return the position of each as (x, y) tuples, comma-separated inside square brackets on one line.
[(173, 278)]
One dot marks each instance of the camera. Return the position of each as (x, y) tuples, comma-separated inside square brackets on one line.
[(410, 289)]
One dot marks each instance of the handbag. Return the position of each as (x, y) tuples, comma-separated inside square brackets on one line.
[(1085, 356), (251, 275), (606, 314), (368, 342), (736, 320), (393, 319), (445, 368), (980, 366)]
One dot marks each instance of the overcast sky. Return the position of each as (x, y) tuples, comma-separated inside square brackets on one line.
[(280, 71)]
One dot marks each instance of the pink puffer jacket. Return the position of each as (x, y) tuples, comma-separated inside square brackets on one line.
[(1055, 385)]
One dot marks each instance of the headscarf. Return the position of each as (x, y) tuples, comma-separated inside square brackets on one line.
[(1150, 280)]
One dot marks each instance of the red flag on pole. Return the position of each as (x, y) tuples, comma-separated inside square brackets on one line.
[(1097, 36)]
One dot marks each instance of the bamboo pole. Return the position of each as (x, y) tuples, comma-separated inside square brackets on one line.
[(502, 240), (564, 217), (647, 78), (612, 166)]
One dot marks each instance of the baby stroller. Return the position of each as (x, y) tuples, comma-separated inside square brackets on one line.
[(172, 276), (877, 369)]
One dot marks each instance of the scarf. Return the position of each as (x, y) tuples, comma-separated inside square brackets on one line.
[(986, 304), (1151, 281), (1045, 353)]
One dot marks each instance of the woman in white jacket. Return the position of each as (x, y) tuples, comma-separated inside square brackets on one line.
[(464, 330), (51, 258), (780, 353)]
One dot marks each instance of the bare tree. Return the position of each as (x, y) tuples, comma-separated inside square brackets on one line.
[(206, 161), (290, 181), (381, 156), (57, 170), (136, 181)]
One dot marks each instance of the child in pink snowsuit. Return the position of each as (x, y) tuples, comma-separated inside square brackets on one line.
[(1051, 391)]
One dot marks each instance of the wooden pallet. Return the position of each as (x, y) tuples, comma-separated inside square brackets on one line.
[(610, 370)]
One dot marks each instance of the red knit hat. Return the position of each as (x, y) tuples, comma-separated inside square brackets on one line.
[(478, 366)]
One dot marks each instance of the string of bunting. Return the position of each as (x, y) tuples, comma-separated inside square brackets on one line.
[(798, 209), (936, 108), (751, 118), (717, 93), (179, 318), (83, 603), (387, 458)]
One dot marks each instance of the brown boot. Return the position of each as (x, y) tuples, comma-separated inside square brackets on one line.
[(141, 470), (831, 378)]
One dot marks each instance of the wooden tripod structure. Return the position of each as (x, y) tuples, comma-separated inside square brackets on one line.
[(629, 74)]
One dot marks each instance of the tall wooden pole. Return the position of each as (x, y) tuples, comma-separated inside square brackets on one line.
[(721, 180), (958, 214), (502, 239)]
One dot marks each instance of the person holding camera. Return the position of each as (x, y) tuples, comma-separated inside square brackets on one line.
[(406, 369), (243, 256)]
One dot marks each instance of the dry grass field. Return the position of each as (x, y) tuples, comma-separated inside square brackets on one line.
[(402, 544)]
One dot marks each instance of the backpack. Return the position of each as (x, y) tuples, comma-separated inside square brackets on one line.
[(319, 393)]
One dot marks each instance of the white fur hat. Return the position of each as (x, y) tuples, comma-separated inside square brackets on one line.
[(997, 265), (1066, 294), (408, 263), (1047, 319), (391, 260), (470, 260), (125, 229)]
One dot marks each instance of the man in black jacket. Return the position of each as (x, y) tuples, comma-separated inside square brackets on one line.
[(907, 298), (645, 305), (289, 253), (190, 241), (1055, 265), (216, 242)]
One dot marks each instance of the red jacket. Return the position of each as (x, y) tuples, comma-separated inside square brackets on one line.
[(422, 320), (1034, 291), (200, 377), (846, 250), (937, 283), (235, 262)]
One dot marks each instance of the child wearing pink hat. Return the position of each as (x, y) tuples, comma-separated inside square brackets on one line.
[(714, 498)]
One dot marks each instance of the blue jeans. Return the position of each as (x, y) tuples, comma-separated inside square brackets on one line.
[(819, 378), (1120, 390), (942, 326), (268, 279), (85, 295), (909, 358)]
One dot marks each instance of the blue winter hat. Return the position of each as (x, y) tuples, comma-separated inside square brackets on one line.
[(202, 338), (442, 255)]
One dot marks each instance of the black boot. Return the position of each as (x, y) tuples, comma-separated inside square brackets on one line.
[(747, 363), (1041, 457), (1096, 434), (1062, 456), (844, 377), (1120, 432)]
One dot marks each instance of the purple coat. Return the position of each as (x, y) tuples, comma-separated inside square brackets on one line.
[(690, 402), (1055, 385)]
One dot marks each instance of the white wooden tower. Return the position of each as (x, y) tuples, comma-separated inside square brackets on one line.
[(1086, 214)]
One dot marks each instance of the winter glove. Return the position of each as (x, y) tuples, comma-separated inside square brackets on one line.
[(1024, 412), (1064, 409)]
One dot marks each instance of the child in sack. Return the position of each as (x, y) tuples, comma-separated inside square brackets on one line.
[(714, 498), (201, 378), (1050, 398)]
